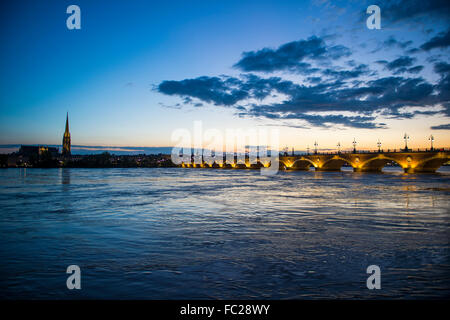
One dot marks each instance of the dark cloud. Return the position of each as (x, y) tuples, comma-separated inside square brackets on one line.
[(398, 10), (387, 94), (443, 86), (442, 68), (337, 90), (401, 62), (401, 65), (225, 91), (391, 94), (382, 62), (261, 88), (441, 127), (214, 90), (440, 41), (356, 72), (314, 80), (392, 42), (413, 51), (415, 69), (291, 56)]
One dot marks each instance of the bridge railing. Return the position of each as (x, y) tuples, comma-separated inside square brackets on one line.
[(401, 150), (409, 150)]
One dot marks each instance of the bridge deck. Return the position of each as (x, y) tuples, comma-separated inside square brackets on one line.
[(410, 161)]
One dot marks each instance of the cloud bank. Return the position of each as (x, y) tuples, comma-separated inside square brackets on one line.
[(333, 89)]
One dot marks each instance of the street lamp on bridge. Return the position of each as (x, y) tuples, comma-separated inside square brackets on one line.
[(339, 147), (406, 138), (379, 145), (431, 138), (315, 147), (354, 145), (307, 150)]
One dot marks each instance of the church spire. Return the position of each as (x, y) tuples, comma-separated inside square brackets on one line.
[(66, 139), (67, 123)]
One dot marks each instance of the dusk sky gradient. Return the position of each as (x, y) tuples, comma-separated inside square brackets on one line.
[(138, 70)]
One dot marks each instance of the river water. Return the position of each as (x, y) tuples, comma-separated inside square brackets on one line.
[(223, 234)]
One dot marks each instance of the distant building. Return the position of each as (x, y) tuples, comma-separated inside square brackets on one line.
[(66, 139), (3, 161), (37, 151), (32, 155)]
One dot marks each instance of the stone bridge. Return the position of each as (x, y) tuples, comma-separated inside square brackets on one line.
[(410, 161), (426, 161)]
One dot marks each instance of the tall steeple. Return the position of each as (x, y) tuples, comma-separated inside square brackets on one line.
[(67, 123), (66, 138)]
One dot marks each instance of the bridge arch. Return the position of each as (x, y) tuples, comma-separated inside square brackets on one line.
[(376, 164), (333, 164), (430, 164), (303, 164), (298, 164)]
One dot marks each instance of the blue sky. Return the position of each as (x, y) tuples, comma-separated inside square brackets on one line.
[(137, 70)]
